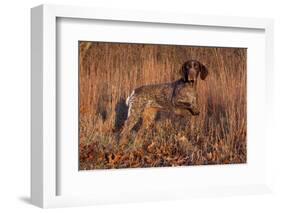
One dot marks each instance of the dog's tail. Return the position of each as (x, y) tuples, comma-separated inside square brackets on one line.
[(129, 102)]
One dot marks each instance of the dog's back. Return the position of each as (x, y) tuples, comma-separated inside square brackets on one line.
[(156, 95)]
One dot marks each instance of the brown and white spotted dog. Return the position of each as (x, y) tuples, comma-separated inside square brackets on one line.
[(178, 97)]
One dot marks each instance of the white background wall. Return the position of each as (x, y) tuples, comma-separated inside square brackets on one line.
[(15, 105)]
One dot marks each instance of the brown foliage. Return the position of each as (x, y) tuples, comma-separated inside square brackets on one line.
[(110, 71)]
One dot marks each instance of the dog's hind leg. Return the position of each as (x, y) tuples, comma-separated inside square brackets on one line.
[(134, 121), (149, 115)]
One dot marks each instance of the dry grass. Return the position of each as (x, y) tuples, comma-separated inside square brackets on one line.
[(110, 71)]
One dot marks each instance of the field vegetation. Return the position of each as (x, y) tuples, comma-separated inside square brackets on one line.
[(109, 72)]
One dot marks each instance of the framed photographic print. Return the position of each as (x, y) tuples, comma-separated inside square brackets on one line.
[(130, 106)]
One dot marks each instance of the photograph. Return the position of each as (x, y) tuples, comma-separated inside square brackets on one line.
[(161, 105)]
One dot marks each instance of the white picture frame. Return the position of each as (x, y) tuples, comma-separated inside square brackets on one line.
[(45, 167)]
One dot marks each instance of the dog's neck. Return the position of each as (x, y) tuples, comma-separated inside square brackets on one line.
[(182, 82)]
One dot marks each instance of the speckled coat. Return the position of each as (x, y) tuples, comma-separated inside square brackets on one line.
[(147, 101)]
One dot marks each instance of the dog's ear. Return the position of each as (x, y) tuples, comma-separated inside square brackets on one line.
[(203, 71), (184, 72)]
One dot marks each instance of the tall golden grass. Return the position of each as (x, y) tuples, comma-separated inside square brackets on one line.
[(110, 71)]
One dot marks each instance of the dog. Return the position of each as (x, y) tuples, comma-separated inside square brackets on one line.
[(178, 97)]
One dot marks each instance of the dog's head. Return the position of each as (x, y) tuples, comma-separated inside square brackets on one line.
[(191, 70)]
